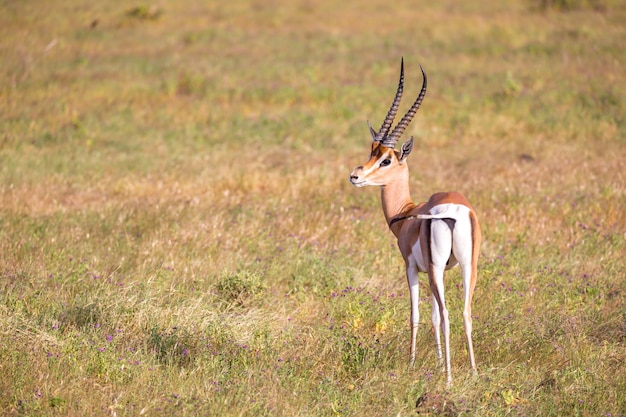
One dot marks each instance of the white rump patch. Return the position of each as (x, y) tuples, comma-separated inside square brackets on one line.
[(446, 211)]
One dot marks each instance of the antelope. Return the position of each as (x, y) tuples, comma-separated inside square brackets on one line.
[(432, 237)]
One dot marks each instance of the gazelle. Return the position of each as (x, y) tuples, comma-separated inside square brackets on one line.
[(433, 236)]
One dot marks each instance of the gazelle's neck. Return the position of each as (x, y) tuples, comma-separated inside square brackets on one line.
[(396, 197)]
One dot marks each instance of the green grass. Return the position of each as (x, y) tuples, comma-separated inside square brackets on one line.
[(178, 235)]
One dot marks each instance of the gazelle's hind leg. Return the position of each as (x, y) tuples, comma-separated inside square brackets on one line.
[(440, 249), (468, 289), (465, 248), (436, 320)]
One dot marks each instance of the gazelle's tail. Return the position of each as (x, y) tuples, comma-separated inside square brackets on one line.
[(441, 215)]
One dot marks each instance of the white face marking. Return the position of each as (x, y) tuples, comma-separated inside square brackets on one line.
[(375, 171)]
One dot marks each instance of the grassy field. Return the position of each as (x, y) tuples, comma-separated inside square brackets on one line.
[(178, 235)]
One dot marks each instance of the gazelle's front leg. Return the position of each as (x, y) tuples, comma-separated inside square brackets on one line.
[(412, 277)]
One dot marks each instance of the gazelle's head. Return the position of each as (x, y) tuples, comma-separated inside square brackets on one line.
[(386, 163)]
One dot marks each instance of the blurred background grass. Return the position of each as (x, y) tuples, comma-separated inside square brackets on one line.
[(178, 235)]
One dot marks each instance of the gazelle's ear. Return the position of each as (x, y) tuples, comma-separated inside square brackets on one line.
[(372, 131), (406, 149)]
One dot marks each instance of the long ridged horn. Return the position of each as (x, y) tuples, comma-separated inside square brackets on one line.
[(384, 128), (391, 140)]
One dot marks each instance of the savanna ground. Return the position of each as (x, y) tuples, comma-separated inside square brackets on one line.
[(178, 235)]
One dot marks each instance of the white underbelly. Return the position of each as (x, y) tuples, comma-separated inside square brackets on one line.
[(418, 257)]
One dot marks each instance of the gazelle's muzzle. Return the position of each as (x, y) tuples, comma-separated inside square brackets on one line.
[(355, 177)]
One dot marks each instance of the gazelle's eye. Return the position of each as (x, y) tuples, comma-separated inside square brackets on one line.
[(385, 162)]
